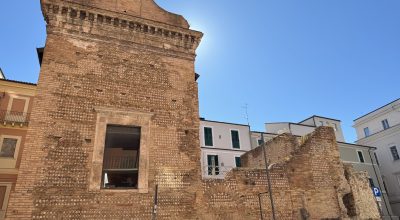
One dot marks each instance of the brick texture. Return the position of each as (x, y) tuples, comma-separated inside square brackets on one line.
[(98, 57)]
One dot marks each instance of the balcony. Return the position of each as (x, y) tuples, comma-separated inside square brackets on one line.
[(120, 163), (14, 118)]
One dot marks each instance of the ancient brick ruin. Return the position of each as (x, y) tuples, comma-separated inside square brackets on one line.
[(130, 63)]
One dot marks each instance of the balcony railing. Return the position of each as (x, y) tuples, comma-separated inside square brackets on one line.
[(120, 163), (14, 118), (215, 172)]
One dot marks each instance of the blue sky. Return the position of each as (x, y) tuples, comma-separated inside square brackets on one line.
[(285, 59)]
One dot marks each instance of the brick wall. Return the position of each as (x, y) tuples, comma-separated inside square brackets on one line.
[(95, 58), (307, 178)]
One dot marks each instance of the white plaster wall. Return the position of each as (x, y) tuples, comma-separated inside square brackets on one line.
[(222, 135), (301, 130), (277, 128), (374, 120), (331, 123), (226, 159), (389, 168)]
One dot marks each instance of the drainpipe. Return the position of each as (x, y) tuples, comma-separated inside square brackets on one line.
[(377, 179)]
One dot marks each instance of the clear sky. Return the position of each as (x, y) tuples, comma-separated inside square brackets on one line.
[(285, 59)]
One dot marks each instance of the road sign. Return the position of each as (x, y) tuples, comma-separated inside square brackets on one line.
[(377, 192)]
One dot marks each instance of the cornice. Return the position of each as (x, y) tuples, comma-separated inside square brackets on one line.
[(79, 19)]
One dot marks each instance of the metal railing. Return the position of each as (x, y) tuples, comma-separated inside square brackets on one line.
[(14, 118), (120, 162), (215, 172)]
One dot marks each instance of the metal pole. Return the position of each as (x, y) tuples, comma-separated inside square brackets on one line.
[(154, 214), (261, 212), (268, 178)]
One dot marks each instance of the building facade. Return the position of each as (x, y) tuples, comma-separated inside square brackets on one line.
[(114, 131), (381, 129), (222, 144), (15, 107), (361, 156), (116, 114)]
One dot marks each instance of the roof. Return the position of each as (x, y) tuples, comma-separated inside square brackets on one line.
[(202, 119), (358, 145), (15, 81), (317, 116), (377, 109)]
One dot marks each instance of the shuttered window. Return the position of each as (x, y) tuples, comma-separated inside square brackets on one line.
[(238, 162), (235, 139), (208, 136)]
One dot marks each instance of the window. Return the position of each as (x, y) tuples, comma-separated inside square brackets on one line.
[(260, 141), (321, 123), (8, 147), (235, 139), (366, 132), (376, 158), (121, 157), (395, 153), (385, 124), (360, 156), (208, 136), (213, 165), (17, 108), (238, 162), (5, 189), (121, 132), (335, 127)]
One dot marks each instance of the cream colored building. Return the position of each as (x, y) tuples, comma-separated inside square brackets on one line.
[(381, 128)]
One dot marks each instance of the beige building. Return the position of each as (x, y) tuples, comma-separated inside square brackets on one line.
[(381, 128), (15, 107)]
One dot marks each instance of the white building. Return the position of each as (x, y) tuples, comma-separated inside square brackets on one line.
[(222, 144), (306, 126), (381, 128), (361, 155)]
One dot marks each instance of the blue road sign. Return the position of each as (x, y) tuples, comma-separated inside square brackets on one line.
[(377, 192)]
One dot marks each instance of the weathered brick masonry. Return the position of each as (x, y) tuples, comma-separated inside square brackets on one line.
[(130, 62), (93, 58)]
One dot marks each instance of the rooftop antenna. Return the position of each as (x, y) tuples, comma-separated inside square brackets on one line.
[(246, 113)]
